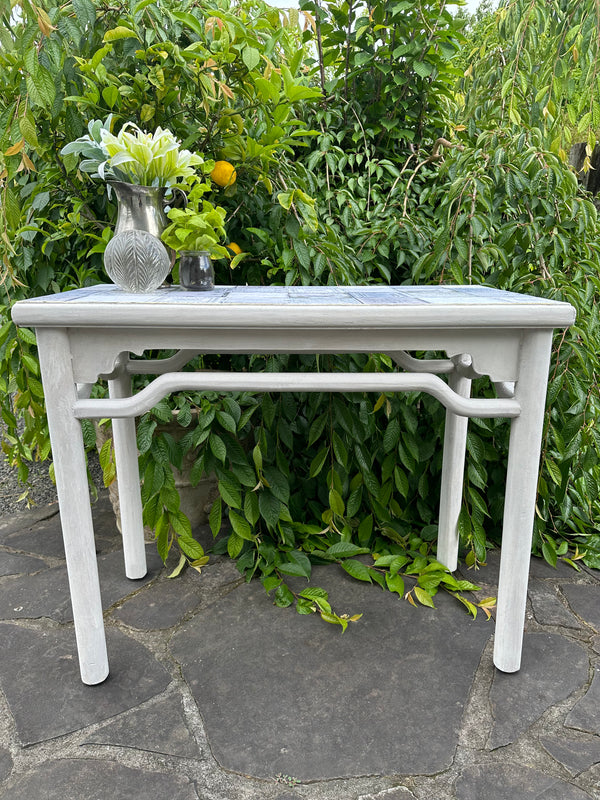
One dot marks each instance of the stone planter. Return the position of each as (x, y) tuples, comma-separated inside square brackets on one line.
[(195, 501)]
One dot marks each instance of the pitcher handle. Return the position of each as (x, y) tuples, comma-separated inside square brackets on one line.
[(178, 199)]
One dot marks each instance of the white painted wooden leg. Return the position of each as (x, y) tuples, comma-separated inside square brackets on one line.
[(520, 498), (128, 478), (74, 503), (453, 467)]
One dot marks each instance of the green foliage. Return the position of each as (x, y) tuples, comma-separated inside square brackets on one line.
[(508, 212), (294, 476), (198, 226), (387, 67), (535, 65)]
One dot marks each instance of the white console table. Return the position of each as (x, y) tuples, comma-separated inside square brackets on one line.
[(87, 334)]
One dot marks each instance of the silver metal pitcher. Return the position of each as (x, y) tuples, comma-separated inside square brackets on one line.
[(141, 208)]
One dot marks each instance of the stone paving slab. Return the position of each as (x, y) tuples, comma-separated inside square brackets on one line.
[(575, 755), (39, 676), (552, 668), (157, 728), (27, 518), (43, 539), (38, 530), (165, 603), (46, 594), (548, 608), (514, 782), (85, 779), (14, 564), (583, 599), (584, 715), (281, 692)]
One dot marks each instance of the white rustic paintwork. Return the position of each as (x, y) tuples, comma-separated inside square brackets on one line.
[(90, 333)]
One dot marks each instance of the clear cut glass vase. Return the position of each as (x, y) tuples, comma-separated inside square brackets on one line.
[(135, 258), (136, 261)]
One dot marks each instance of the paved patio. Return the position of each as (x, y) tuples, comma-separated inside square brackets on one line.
[(216, 694)]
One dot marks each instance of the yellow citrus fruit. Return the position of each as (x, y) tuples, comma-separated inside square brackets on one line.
[(224, 173), (234, 247)]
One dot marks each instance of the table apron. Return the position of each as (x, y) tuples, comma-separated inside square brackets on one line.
[(495, 352)]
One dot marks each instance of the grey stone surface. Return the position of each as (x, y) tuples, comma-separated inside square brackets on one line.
[(284, 693), (540, 568), (33, 596), (85, 779), (157, 728), (114, 584), (159, 606), (106, 532), (486, 575), (14, 564), (547, 606), (514, 782), (583, 599), (575, 756), (382, 701), (40, 532), (42, 539), (6, 763), (551, 668), (165, 603), (23, 518), (584, 715), (39, 675), (47, 593)]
